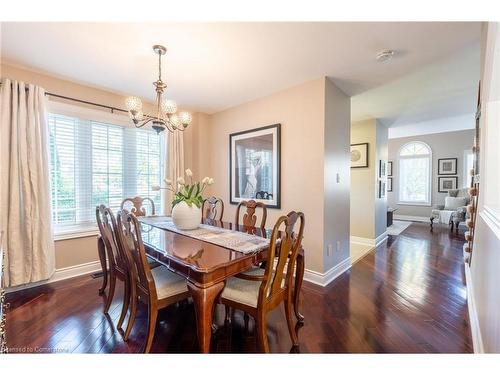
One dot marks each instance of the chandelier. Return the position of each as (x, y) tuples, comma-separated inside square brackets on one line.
[(166, 110)]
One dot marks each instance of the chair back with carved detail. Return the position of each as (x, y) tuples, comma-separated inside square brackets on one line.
[(130, 238), (213, 208), (107, 227), (138, 208), (284, 247), (250, 220)]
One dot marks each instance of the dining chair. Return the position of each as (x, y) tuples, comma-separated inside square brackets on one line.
[(210, 210), (138, 208), (249, 220), (261, 291), (158, 287), (117, 260)]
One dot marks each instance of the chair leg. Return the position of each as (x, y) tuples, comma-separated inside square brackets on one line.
[(261, 333), (126, 302), (102, 258), (133, 313), (111, 293), (152, 315), (227, 317), (432, 221), (246, 318), (289, 321)]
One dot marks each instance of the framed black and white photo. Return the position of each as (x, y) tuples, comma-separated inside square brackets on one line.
[(389, 168), (447, 166), (381, 188), (447, 183), (254, 166), (382, 169), (359, 155), (389, 184)]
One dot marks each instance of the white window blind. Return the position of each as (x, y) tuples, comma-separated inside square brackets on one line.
[(93, 163), (415, 164)]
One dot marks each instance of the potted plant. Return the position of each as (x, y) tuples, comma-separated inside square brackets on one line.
[(188, 199)]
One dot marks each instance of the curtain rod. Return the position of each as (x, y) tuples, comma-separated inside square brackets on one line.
[(112, 109)]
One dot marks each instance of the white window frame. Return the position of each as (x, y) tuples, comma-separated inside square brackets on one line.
[(428, 156), (466, 171), (90, 114)]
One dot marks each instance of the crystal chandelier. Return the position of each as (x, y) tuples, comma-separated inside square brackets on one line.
[(166, 110)]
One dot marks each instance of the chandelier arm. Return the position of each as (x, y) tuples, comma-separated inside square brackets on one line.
[(144, 122)]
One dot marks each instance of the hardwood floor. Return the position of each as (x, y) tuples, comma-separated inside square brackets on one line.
[(407, 296)]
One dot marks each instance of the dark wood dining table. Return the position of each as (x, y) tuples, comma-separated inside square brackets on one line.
[(206, 267)]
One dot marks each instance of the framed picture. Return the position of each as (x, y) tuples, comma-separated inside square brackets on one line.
[(447, 183), (359, 155), (382, 168), (389, 184), (389, 168), (447, 166), (381, 188), (254, 165)]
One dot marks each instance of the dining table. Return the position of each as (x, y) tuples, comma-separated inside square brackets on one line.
[(206, 266)]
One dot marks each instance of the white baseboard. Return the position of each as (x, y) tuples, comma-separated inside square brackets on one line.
[(412, 218), (62, 274), (369, 241), (323, 279), (477, 341)]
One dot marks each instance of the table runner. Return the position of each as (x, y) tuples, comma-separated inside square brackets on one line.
[(238, 241)]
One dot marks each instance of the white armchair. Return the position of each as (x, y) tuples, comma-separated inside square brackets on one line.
[(456, 201)]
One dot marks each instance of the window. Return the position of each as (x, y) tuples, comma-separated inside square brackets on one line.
[(94, 163), (415, 165)]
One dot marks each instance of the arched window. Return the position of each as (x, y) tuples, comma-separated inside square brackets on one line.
[(415, 166)]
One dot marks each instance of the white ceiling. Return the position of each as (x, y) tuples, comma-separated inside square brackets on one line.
[(214, 66)]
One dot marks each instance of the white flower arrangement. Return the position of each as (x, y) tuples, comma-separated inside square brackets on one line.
[(191, 192)]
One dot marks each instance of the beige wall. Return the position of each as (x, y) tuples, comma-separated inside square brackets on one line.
[(77, 251), (368, 211), (300, 110), (443, 145)]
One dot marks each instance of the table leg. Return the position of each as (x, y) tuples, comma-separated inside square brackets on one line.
[(102, 257), (204, 299), (299, 277)]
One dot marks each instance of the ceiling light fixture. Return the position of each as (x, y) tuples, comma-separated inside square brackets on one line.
[(166, 110), (385, 55)]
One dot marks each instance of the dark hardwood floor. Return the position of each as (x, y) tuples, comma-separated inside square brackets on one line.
[(407, 296)]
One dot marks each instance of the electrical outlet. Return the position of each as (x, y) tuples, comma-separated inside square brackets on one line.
[(329, 250)]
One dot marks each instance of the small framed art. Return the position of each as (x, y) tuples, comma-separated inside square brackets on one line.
[(359, 155), (389, 184), (446, 184), (447, 166), (389, 168)]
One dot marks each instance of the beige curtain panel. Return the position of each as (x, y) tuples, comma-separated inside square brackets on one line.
[(25, 186), (174, 167)]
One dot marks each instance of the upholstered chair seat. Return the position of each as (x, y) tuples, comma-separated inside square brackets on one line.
[(168, 283)]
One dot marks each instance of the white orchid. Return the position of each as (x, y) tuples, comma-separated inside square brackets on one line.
[(189, 173), (205, 180), (211, 181), (167, 181), (155, 187), (181, 181)]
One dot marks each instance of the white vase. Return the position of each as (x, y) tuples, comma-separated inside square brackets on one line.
[(185, 217)]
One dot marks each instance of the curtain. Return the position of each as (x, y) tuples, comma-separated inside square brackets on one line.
[(174, 167), (25, 216)]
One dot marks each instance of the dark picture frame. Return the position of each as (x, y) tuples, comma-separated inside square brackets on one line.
[(389, 168), (363, 149), (389, 184), (441, 181), (442, 171), (382, 188), (382, 168), (246, 182)]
